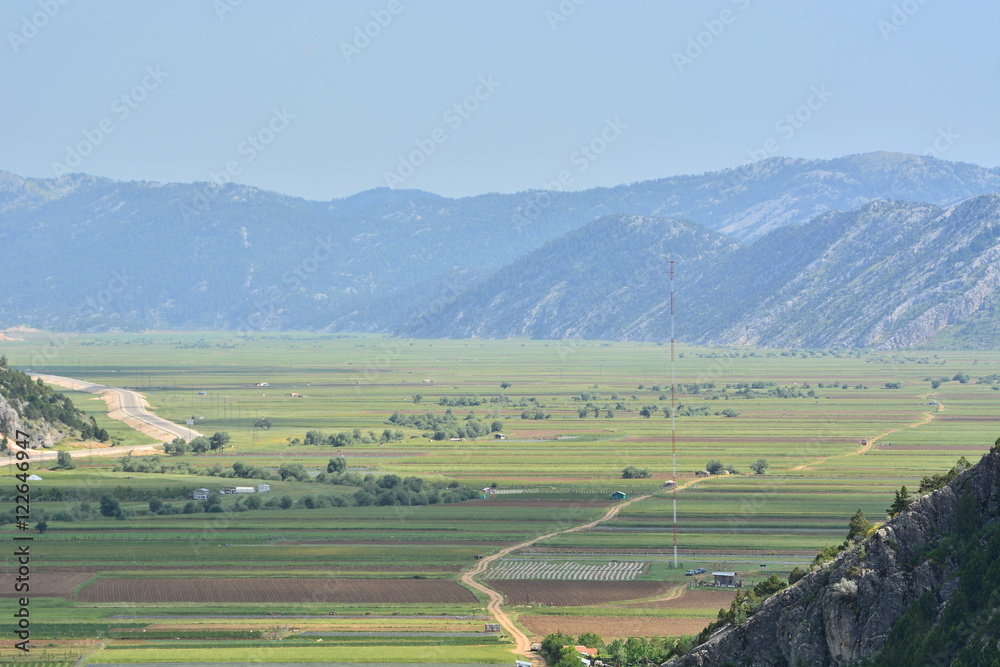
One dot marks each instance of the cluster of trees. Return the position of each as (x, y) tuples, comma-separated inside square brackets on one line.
[(695, 387), (393, 490), (178, 446), (715, 466), (587, 396), (241, 470), (111, 508), (64, 461), (405, 492), (608, 411), (536, 413), (91, 431), (901, 501), (633, 472), (443, 427), (345, 438), (760, 466), (85, 493), (385, 490), (461, 401), (858, 529), (83, 511), (152, 464), (749, 391), (372, 489), (743, 606), (936, 481), (960, 377), (557, 649), (686, 411)]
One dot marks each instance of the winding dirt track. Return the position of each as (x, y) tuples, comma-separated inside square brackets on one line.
[(928, 417), (522, 643)]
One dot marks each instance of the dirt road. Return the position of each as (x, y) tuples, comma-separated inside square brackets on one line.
[(928, 417), (522, 643)]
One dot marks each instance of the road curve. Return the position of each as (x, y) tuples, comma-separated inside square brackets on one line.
[(130, 407), (522, 643), (928, 418)]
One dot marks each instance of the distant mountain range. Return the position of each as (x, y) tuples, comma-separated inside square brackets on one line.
[(881, 249)]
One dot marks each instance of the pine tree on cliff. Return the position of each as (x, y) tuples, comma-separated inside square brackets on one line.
[(900, 503)]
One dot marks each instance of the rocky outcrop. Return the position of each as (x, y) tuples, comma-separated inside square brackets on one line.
[(10, 419), (41, 435), (842, 613)]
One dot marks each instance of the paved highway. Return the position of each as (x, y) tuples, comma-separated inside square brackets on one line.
[(130, 408)]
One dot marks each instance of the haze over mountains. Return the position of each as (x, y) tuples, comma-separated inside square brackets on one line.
[(881, 249)]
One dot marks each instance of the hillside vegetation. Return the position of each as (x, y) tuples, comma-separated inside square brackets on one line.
[(923, 589), (34, 407)]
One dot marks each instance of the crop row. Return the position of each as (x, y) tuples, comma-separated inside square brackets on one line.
[(566, 571)]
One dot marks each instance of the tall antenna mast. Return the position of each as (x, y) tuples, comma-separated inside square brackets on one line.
[(673, 408)]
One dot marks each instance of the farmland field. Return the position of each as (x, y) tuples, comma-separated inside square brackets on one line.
[(615, 627), (575, 593), (277, 590), (535, 569), (835, 436)]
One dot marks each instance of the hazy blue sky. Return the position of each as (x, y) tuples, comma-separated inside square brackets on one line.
[(295, 97)]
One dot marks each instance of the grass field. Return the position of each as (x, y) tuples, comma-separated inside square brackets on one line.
[(806, 412)]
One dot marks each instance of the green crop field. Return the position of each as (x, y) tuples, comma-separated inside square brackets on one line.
[(573, 415)]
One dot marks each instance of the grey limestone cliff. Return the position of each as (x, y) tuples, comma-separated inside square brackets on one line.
[(842, 613)]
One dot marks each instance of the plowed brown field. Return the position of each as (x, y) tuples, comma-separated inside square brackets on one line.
[(613, 627), (693, 599), (264, 589), (43, 584), (575, 593)]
